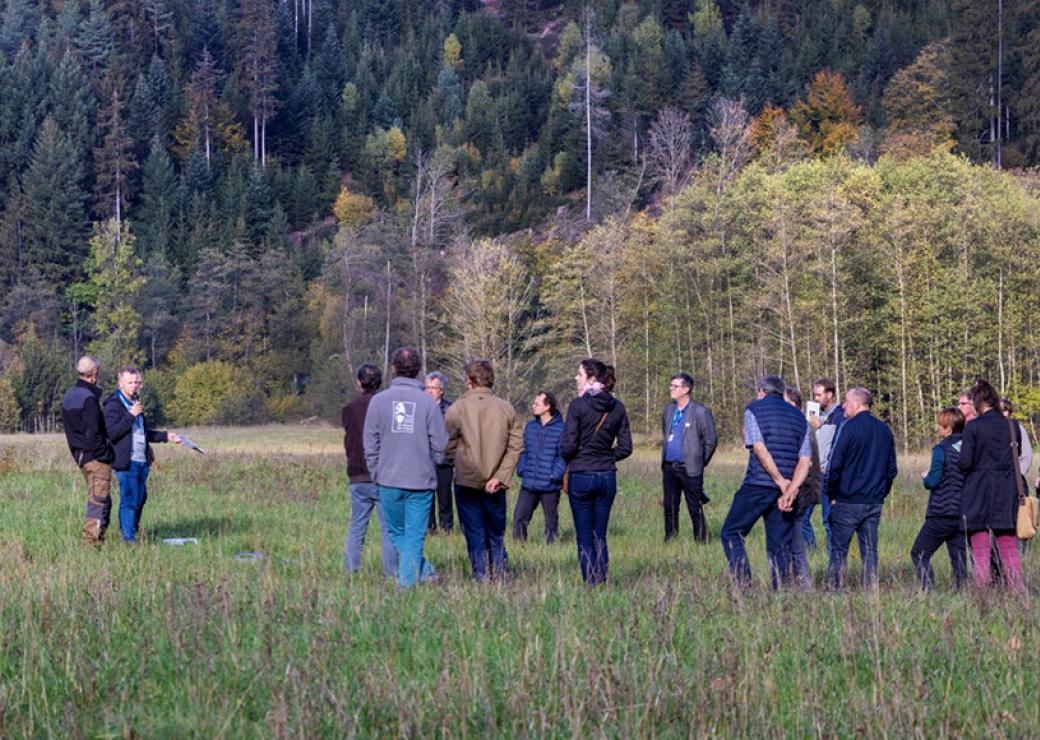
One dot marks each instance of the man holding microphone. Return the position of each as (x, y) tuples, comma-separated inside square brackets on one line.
[(131, 436)]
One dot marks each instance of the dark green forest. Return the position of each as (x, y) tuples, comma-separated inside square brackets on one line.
[(249, 198)]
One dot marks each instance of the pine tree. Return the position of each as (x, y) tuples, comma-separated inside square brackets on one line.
[(114, 160), (21, 111), (95, 42), (741, 53), (156, 212), (257, 67), (18, 24), (55, 226), (330, 70), (70, 103)]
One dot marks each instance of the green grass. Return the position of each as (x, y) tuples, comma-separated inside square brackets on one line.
[(162, 641)]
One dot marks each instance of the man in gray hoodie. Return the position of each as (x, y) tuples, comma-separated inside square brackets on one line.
[(404, 440)]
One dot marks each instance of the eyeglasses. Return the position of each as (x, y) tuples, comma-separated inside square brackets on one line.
[(675, 387)]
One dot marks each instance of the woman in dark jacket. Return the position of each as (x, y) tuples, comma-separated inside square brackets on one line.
[(595, 420), (942, 520), (989, 503), (541, 468)]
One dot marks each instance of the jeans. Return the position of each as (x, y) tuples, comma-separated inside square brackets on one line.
[(442, 513), (592, 496), (482, 516), (935, 532), (676, 482), (133, 493), (862, 520), (526, 503), (807, 529), (751, 503), (364, 497), (405, 514)]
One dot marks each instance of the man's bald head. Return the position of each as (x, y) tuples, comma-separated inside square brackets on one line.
[(87, 366), (857, 399)]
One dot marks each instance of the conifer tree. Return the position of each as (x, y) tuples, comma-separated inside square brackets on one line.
[(55, 225), (114, 160)]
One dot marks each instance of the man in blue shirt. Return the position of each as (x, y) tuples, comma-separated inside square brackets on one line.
[(689, 442), (777, 436), (825, 425), (131, 438), (859, 478)]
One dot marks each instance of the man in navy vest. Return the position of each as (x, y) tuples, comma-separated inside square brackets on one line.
[(777, 436)]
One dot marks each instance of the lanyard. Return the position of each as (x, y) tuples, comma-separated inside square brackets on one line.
[(139, 420), (678, 415)]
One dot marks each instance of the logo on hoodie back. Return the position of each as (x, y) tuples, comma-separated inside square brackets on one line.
[(404, 418)]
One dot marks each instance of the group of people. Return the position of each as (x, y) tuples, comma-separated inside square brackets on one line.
[(407, 446), (413, 456)]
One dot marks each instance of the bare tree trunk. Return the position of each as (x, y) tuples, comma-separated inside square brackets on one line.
[(256, 137), (310, 24), (386, 340), (119, 209), (646, 358), (788, 303), (585, 318), (901, 278), (1000, 80), (588, 114), (263, 141), (1000, 329)]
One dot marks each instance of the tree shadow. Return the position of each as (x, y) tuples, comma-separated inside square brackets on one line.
[(197, 526)]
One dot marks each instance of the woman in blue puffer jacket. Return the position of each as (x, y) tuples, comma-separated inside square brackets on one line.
[(541, 467)]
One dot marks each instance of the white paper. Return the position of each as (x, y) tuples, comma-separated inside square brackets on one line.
[(812, 409)]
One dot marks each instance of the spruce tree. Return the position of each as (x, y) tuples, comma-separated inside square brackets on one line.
[(70, 103), (155, 214), (114, 160), (55, 226), (95, 42), (18, 24)]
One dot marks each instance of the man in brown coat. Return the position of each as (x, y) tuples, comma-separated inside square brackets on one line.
[(485, 440)]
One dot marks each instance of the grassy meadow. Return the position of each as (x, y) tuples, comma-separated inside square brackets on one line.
[(165, 641)]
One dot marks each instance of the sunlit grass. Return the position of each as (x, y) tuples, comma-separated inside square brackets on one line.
[(164, 641)]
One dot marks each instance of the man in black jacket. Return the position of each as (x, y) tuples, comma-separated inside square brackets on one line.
[(88, 442), (859, 478), (131, 438), (689, 442)]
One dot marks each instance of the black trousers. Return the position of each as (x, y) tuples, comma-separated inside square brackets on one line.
[(935, 532), (526, 502), (677, 482), (441, 511)]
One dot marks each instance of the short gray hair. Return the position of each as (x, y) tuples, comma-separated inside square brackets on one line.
[(771, 385), (862, 395), (87, 364), (439, 376)]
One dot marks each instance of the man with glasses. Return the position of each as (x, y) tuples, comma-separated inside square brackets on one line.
[(436, 386), (966, 407), (689, 442)]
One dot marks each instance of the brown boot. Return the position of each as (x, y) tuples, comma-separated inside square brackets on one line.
[(93, 535)]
